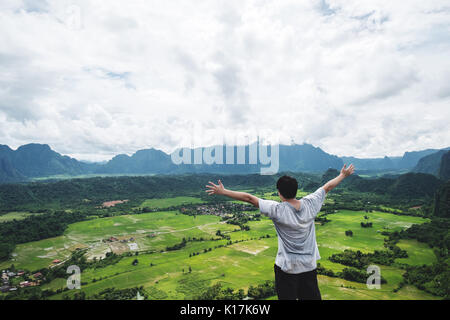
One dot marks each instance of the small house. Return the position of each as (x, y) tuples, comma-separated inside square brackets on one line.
[(4, 289)]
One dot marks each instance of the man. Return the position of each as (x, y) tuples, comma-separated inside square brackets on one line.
[(295, 264)]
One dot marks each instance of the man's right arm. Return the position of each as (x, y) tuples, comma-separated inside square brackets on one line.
[(345, 172), (219, 189)]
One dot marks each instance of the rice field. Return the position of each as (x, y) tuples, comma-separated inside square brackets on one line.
[(165, 275)]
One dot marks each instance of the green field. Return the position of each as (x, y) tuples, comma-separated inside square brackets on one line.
[(249, 262), (14, 216), (169, 202), (418, 252)]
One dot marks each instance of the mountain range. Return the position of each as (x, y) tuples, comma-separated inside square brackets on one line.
[(39, 160)]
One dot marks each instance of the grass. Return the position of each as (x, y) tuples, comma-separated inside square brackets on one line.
[(14, 216), (248, 262), (418, 253), (168, 227), (169, 202)]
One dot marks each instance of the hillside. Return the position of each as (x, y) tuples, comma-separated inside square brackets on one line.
[(142, 162), (74, 191), (60, 193), (444, 169), (37, 160), (8, 173), (430, 164), (407, 162), (40, 161), (409, 185), (441, 207)]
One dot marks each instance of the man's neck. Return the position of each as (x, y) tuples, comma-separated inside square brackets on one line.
[(294, 202)]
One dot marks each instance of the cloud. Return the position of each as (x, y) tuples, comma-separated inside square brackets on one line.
[(35, 6), (94, 79)]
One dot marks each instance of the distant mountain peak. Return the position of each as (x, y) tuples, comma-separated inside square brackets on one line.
[(39, 160), (34, 146)]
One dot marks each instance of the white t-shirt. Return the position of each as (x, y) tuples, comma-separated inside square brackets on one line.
[(297, 246)]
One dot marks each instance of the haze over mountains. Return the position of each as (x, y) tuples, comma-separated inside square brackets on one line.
[(38, 160)]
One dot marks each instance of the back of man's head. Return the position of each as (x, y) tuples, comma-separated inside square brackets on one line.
[(287, 186)]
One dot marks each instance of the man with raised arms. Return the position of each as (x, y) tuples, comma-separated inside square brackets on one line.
[(296, 260)]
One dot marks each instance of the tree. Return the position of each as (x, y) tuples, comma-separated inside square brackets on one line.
[(5, 250)]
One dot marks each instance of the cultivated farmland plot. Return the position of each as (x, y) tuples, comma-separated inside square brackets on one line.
[(247, 261)]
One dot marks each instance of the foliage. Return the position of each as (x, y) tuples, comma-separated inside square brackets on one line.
[(441, 205), (361, 260), (366, 224), (434, 279), (217, 292), (436, 233), (33, 228)]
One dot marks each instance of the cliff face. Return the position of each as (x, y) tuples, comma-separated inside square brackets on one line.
[(442, 201), (444, 170)]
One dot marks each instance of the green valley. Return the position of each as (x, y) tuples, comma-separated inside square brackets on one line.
[(188, 246)]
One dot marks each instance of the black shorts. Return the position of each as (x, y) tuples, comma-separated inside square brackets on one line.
[(302, 286)]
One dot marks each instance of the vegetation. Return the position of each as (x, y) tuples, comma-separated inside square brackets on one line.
[(188, 246), (361, 260), (33, 228)]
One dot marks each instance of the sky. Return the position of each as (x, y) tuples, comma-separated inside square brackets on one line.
[(94, 79)]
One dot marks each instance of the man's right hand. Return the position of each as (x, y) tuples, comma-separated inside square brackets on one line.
[(347, 171), (215, 188)]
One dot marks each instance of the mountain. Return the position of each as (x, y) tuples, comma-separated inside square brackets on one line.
[(386, 163), (407, 162), (8, 173), (149, 161), (295, 158), (441, 207), (307, 158), (430, 164), (409, 185), (415, 185), (403, 186), (444, 170), (410, 159), (39, 160), (36, 160)]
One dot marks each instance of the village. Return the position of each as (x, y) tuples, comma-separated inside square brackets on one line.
[(223, 210), (114, 239), (119, 245), (12, 280)]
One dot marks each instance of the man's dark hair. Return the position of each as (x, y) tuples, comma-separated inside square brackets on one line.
[(287, 186)]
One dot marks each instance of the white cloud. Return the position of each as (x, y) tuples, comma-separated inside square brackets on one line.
[(94, 79)]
